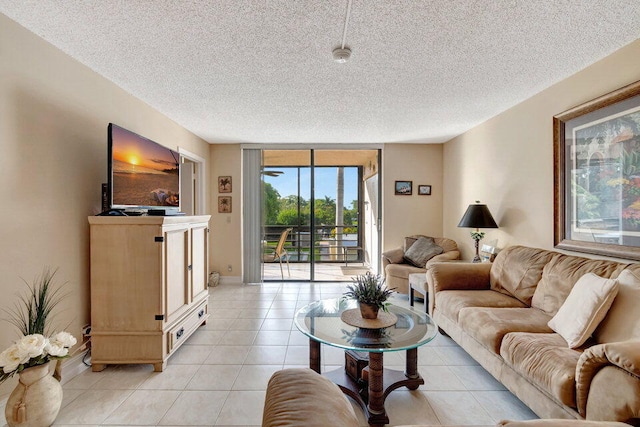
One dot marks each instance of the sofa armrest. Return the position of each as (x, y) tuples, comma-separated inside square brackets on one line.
[(302, 397), (458, 276), (444, 257), (624, 355), (393, 256), (559, 423)]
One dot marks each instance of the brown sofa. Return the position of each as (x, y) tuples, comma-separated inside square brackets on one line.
[(397, 270), (302, 397), (499, 313)]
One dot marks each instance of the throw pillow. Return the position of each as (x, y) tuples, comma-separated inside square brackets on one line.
[(408, 241), (422, 251), (584, 308)]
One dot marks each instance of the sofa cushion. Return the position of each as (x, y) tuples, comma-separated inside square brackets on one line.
[(421, 251), (622, 322), (544, 359), (402, 270), (584, 308), (560, 275), (450, 303), (517, 270), (488, 325)]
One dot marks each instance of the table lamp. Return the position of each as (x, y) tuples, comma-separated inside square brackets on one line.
[(477, 216)]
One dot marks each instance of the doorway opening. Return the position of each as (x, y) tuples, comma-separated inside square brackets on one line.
[(192, 169)]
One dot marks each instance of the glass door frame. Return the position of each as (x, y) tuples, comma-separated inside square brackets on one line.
[(374, 263)]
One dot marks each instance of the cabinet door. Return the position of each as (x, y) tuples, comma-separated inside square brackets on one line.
[(176, 262), (199, 260)]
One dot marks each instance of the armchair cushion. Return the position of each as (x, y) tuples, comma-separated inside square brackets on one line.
[(421, 251)]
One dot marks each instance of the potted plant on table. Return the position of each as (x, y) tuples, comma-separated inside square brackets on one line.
[(371, 293), (36, 400)]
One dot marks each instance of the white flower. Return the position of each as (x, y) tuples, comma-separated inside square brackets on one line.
[(56, 349), (33, 344), (64, 339), (13, 357)]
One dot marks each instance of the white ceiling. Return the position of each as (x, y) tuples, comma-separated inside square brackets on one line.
[(261, 71)]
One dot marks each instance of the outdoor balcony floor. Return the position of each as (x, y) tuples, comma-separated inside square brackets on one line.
[(334, 272)]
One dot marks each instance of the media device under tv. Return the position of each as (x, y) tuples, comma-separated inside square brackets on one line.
[(143, 175)]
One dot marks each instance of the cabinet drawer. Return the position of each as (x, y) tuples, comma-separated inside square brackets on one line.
[(179, 333)]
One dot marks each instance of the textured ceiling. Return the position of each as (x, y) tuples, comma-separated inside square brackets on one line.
[(261, 71)]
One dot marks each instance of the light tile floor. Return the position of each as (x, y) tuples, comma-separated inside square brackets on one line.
[(219, 376)]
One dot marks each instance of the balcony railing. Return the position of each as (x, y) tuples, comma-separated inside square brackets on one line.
[(331, 243)]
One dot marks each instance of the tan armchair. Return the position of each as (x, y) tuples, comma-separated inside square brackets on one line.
[(397, 269)]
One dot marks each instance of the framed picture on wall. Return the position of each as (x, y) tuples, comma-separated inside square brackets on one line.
[(424, 190), (403, 188), (224, 184), (224, 204), (597, 175)]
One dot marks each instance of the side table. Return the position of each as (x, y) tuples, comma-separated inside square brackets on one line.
[(418, 282)]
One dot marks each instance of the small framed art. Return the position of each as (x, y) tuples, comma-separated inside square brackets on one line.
[(403, 188), (424, 190), (224, 204), (224, 184)]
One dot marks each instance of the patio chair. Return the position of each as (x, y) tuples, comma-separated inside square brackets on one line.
[(280, 252)]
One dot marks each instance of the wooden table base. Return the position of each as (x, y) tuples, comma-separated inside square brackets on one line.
[(372, 397)]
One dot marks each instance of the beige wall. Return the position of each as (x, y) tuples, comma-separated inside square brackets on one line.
[(406, 215), (507, 162), (402, 215), (226, 228), (53, 158)]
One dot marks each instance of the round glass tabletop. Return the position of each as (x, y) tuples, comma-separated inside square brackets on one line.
[(321, 321)]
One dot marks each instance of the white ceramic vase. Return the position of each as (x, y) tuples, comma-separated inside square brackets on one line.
[(36, 400)]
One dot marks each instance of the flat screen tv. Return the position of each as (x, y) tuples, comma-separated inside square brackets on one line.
[(143, 174)]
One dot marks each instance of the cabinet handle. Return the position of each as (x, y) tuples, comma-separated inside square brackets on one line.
[(190, 267), (180, 333), (201, 313)]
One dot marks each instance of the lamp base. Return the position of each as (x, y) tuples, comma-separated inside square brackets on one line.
[(477, 257)]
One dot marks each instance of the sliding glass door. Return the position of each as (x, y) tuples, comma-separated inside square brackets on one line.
[(316, 214)]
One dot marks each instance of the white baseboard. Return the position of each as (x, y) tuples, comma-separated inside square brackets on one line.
[(73, 367), (230, 280)]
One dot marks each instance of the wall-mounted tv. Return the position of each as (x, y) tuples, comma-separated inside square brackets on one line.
[(143, 174)]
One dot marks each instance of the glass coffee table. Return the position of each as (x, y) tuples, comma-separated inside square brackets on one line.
[(321, 322)]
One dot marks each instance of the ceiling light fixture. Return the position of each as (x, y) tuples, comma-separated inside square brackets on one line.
[(342, 53)]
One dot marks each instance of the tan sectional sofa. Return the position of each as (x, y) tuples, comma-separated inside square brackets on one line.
[(499, 314), (397, 269)]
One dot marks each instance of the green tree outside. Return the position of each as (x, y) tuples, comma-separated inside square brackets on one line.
[(271, 203)]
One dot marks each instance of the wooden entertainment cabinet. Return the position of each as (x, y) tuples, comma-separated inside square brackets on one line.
[(148, 286)]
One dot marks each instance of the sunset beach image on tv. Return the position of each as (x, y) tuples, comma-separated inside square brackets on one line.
[(144, 173)]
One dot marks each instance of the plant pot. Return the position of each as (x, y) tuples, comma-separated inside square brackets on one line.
[(368, 311), (36, 400)]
